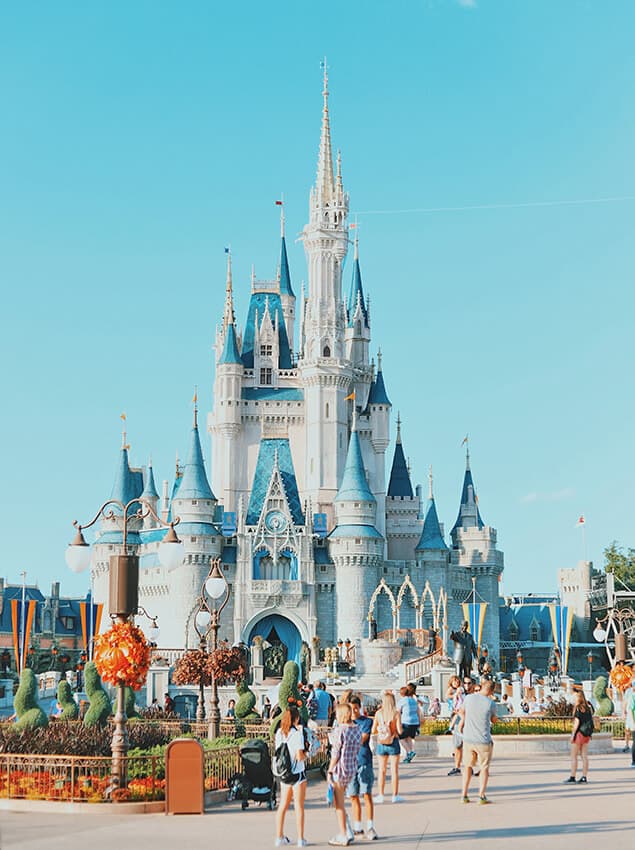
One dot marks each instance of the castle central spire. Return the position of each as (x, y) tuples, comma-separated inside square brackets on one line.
[(325, 183)]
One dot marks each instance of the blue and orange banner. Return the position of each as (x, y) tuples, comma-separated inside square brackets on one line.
[(21, 624), (561, 624), (474, 613), (84, 614)]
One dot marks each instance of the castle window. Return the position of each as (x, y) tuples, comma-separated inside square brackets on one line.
[(192, 539), (266, 376), (326, 352), (326, 411), (68, 623), (322, 568), (513, 632), (534, 632), (358, 541), (195, 501), (266, 350)]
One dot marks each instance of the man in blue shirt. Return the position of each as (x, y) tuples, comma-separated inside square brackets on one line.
[(321, 716), (362, 784)]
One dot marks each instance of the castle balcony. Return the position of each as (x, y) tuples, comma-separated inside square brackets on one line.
[(267, 593)]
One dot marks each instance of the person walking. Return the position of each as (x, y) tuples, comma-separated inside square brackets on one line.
[(477, 714), (291, 733), (410, 719), (321, 711), (362, 783), (580, 737), (628, 713), (387, 727), (346, 740)]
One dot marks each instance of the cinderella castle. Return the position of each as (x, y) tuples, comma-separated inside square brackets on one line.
[(299, 509)]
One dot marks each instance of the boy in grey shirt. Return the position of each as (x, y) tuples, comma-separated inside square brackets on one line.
[(477, 714)]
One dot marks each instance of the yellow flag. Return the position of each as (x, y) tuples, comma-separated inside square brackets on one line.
[(195, 399), (123, 416), (350, 397)]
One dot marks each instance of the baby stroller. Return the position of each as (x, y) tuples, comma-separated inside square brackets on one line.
[(256, 782)]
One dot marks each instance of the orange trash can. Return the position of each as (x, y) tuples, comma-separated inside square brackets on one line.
[(184, 777)]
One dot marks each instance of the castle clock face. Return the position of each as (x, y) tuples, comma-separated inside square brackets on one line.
[(276, 522)]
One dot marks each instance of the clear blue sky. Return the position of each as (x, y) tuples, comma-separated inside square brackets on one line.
[(137, 139)]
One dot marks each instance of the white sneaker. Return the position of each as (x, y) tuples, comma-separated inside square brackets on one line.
[(302, 842), (371, 835), (398, 799), (281, 842), (378, 799)]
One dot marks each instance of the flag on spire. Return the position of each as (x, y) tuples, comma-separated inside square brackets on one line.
[(581, 521), (464, 441), (123, 417), (279, 203), (350, 397), (227, 249)]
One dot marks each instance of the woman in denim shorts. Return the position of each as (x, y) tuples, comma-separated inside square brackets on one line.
[(387, 727)]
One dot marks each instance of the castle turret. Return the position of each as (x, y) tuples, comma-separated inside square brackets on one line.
[(287, 296), (379, 408), (358, 331), (356, 546), (194, 500), (475, 556), (403, 524), (150, 495)]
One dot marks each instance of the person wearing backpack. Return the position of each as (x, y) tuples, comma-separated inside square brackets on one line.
[(387, 727), (289, 766), (580, 736)]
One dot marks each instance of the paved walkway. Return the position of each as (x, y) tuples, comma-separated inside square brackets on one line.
[(531, 808)]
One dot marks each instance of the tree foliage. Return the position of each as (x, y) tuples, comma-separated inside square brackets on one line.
[(65, 699), (620, 562), (99, 709), (226, 665)]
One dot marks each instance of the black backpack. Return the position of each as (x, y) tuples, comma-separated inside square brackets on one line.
[(281, 765)]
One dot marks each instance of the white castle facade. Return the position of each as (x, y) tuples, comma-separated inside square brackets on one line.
[(300, 509)]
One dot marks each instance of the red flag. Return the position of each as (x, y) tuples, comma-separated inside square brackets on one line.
[(581, 521), (278, 203)]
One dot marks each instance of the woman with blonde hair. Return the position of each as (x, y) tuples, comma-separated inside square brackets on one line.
[(387, 727), (580, 736), (346, 740), (291, 733)]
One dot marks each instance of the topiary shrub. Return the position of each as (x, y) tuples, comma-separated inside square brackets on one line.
[(289, 691), (27, 707), (246, 703), (604, 702), (65, 699), (99, 709)]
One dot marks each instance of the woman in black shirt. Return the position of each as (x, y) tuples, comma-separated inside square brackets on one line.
[(580, 736)]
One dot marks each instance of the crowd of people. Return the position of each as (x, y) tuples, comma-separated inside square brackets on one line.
[(355, 738)]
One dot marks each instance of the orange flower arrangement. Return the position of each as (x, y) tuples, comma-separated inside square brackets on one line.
[(122, 654), (621, 677)]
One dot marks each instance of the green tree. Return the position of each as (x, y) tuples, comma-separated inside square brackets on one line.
[(620, 562), (289, 691)]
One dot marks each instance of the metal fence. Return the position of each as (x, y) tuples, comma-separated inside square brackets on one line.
[(79, 778)]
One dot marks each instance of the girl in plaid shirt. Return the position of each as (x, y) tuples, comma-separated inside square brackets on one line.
[(346, 740)]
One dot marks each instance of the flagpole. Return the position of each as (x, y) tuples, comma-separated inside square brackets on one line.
[(475, 624), (586, 557), (22, 621)]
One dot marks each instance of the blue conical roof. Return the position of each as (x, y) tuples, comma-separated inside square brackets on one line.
[(431, 537), (356, 293), (354, 486), (399, 484), (128, 484), (378, 394), (150, 490), (194, 483), (468, 511), (285, 277), (230, 353)]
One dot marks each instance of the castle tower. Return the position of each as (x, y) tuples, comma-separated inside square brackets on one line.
[(151, 496), (432, 553), (379, 407), (403, 526), (475, 555), (356, 546), (357, 332), (225, 423), (325, 372), (287, 297)]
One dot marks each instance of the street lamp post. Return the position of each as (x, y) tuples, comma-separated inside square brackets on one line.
[(589, 658), (124, 594), (208, 620)]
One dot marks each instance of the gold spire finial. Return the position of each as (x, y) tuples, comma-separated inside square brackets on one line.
[(195, 403), (430, 496)]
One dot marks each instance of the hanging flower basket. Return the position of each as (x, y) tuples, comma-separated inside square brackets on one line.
[(122, 655), (621, 677)]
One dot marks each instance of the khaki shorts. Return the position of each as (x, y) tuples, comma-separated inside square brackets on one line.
[(477, 752)]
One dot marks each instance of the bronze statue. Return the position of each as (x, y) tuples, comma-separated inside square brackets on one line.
[(464, 650)]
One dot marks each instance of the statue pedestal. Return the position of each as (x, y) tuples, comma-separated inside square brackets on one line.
[(376, 657), (440, 676)]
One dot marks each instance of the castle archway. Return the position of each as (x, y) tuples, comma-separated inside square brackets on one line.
[(282, 641)]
